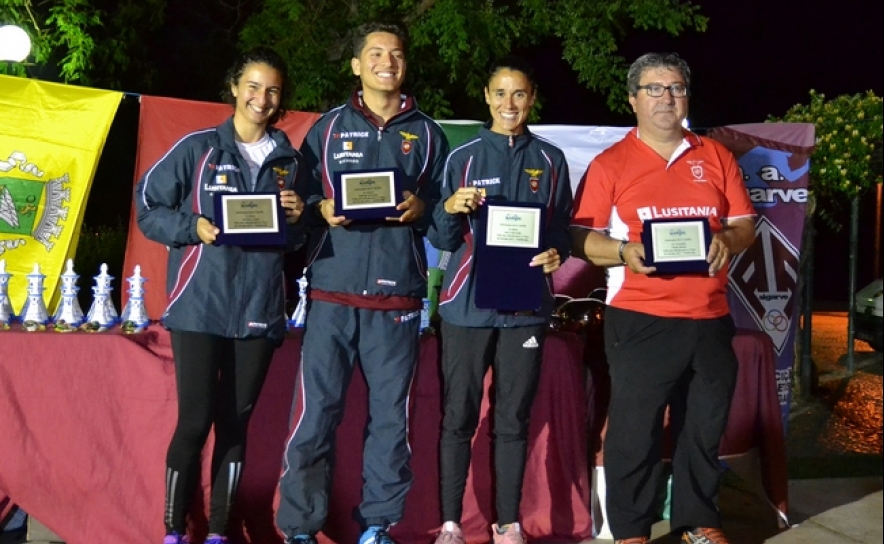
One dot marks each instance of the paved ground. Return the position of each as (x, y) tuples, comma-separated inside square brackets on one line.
[(834, 445)]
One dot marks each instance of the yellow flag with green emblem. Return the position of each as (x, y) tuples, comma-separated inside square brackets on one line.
[(51, 136)]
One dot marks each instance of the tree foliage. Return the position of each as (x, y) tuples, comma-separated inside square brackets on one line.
[(107, 43), (453, 41), (848, 133), (100, 43)]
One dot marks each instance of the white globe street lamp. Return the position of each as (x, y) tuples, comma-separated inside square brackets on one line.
[(15, 44)]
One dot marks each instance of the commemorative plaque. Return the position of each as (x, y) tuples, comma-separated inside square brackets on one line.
[(677, 246), (508, 236), (368, 194), (249, 219)]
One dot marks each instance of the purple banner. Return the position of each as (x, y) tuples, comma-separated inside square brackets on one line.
[(764, 294)]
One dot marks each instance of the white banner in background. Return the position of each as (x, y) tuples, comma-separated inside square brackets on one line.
[(580, 143)]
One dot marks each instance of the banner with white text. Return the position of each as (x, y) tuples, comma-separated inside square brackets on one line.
[(764, 292)]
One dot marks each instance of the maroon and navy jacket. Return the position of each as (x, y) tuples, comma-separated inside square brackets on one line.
[(227, 291), (522, 168), (379, 266)]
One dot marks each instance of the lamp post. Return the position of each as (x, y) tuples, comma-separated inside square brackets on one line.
[(15, 44)]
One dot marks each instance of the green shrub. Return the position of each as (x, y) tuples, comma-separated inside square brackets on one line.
[(848, 130)]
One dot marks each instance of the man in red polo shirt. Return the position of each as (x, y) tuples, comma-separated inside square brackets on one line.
[(667, 335)]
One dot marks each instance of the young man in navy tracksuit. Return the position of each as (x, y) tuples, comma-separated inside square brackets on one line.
[(367, 282)]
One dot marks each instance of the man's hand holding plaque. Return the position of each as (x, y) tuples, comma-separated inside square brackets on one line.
[(549, 260), (412, 208), (326, 209)]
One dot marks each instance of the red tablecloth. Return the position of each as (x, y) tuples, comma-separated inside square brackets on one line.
[(754, 421), (85, 420)]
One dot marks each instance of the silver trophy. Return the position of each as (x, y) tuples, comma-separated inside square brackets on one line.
[(7, 315), (34, 316), (134, 317), (102, 315), (69, 315), (300, 313)]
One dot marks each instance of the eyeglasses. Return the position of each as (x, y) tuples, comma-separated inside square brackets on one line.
[(656, 90)]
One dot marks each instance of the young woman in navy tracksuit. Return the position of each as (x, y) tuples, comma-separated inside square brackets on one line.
[(505, 162), (226, 308)]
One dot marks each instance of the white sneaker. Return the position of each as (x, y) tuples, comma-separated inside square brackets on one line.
[(450, 533)]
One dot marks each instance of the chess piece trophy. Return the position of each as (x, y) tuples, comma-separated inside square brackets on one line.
[(102, 315), (34, 316), (69, 315), (134, 317), (7, 315), (300, 313)]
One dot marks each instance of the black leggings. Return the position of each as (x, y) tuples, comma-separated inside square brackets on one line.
[(515, 355), (218, 380)]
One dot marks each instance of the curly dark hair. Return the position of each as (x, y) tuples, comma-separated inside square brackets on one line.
[(259, 55)]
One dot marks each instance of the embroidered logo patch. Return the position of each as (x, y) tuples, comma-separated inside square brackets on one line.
[(534, 179), (281, 173), (407, 138)]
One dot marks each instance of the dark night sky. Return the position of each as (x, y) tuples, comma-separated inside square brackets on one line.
[(756, 59)]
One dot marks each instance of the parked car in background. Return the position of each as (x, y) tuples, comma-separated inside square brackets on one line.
[(867, 318)]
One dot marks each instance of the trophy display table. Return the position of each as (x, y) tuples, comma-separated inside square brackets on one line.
[(85, 419)]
